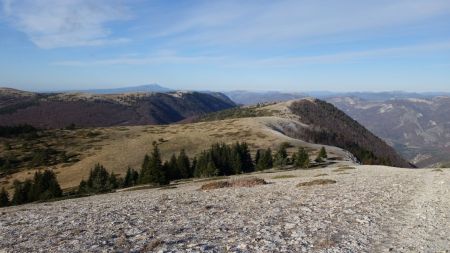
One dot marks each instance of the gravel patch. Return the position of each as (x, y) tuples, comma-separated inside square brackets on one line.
[(373, 209)]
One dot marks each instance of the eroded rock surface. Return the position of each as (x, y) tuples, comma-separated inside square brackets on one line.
[(369, 209)]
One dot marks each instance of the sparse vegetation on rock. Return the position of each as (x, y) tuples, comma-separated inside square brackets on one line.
[(242, 182), (317, 182)]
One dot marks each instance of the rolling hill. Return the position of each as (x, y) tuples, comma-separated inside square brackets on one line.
[(263, 126), (129, 89), (59, 110), (415, 124)]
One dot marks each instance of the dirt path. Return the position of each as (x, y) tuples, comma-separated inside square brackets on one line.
[(422, 223)]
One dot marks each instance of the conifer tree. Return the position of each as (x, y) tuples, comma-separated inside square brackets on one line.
[(265, 161), (321, 155), (128, 180), (154, 173), (193, 166), (113, 182), (236, 159), (211, 169), (172, 168), (246, 158), (143, 176), (269, 158), (45, 186), (83, 188), (21, 192), (4, 198), (257, 156), (131, 178), (281, 157), (183, 165), (98, 180), (302, 158)]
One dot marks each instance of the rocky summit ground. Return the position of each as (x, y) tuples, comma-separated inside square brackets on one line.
[(368, 209)]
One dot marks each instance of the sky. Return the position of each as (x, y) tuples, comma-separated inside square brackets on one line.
[(298, 45)]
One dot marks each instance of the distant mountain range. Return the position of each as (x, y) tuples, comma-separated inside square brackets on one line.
[(254, 97), (131, 89), (58, 110), (418, 128), (416, 124)]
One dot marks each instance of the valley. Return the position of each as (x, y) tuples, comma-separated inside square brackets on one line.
[(417, 128)]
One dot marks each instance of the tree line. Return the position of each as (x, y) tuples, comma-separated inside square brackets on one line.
[(44, 186), (219, 160)]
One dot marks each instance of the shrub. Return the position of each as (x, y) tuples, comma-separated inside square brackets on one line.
[(243, 182), (317, 182)]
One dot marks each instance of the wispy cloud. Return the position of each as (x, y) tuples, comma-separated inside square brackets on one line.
[(171, 57), (267, 21), (162, 58), (391, 52), (65, 23)]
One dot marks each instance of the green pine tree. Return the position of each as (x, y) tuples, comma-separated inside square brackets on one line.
[(83, 188), (265, 161), (211, 170), (113, 182), (128, 179), (321, 155), (281, 157), (154, 172), (98, 180), (246, 158), (22, 192), (144, 176), (302, 158), (183, 165), (257, 156), (172, 168), (4, 198)]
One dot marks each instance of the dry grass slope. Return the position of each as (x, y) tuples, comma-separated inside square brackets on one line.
[(118, 148)]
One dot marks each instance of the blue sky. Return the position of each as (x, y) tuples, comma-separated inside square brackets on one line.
[(341, 45)]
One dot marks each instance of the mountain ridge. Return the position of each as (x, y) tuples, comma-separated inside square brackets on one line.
[(58, 110)]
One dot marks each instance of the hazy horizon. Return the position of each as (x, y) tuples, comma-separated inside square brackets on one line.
[(287, 45), (233, 90)]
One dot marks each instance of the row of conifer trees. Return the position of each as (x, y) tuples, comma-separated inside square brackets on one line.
[(219, 160), (44, 186)]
